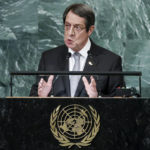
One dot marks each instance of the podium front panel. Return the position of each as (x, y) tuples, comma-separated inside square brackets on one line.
[(74, 123)]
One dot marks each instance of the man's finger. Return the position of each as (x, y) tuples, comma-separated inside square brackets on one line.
[(40, 83), (85, 81), (93, 82), (50, 79)]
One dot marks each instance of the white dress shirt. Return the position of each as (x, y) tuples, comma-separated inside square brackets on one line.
[(83, 57)]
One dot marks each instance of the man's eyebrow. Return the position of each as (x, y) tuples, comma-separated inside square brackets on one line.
[(74, 24)]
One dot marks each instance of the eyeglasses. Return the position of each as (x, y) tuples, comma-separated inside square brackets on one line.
[(77, 28)]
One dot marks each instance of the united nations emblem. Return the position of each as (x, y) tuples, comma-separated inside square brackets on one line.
[(74, 125)]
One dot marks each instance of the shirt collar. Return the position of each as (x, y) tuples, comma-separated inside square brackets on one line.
[(84, 50)]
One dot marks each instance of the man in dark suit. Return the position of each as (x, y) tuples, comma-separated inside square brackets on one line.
[(78, 24)]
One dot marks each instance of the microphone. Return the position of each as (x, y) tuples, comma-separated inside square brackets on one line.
[(58, 76), (53, 83), (68, 55)]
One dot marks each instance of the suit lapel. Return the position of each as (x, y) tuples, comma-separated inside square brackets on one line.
[(63, 65)]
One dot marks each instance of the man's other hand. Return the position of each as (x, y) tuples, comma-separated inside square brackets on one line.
[(90, 87), (45, 87)]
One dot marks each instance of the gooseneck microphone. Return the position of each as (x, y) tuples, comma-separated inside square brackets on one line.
[(53, 83), (68, 55), (57, 76)]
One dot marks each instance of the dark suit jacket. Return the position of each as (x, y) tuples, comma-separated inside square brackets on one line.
[(102, 60)]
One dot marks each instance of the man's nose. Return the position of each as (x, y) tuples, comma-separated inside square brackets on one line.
[(71, 31)]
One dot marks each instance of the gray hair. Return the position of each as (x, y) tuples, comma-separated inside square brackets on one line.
[(82, 10)]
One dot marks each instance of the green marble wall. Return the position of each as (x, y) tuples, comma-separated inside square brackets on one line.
[(29, 27)]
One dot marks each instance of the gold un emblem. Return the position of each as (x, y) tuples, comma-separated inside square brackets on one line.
[(74, 125)]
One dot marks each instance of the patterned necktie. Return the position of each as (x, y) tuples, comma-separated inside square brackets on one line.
[(74, 79)]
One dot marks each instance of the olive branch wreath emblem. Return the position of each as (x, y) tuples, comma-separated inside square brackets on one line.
[(65, 142)]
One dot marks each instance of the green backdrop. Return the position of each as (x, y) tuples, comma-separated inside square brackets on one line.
[(29, 27)]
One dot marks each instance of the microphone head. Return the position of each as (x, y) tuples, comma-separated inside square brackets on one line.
[(68, 55)]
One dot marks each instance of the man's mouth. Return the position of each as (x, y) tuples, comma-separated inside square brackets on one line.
[(69, 41)]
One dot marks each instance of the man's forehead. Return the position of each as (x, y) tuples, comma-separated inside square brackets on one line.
[(74, 18)]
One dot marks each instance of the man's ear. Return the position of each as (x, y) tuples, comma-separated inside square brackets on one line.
[(91, 29)]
